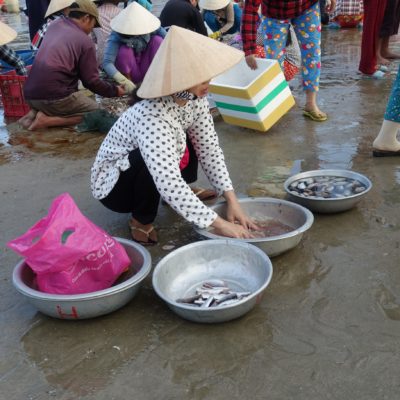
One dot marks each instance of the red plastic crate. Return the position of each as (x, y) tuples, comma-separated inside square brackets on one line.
[(12, 94)]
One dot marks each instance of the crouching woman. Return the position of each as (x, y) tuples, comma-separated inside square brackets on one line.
[(141, 157)]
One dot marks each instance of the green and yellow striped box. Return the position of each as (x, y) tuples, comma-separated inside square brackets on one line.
[(255, 99)]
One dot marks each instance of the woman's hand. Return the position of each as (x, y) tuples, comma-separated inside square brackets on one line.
[(238, 224), (229, 229), (251, 61), (236, 215)]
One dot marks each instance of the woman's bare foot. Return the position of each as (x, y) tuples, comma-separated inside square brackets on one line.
[(143, 234), (380, 60), (390, 56), (27, 119)]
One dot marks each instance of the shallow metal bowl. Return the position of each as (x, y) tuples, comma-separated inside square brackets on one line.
[(242, 266), (328, 205), (260, 208), (87, 305)]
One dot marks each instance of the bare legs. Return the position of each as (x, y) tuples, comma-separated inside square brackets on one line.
[(384, 49), (38, 120), (311, 103)]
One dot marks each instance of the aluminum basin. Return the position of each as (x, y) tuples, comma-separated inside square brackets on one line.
[(242, 266), (87, 305), (328, 205), (260, 208)]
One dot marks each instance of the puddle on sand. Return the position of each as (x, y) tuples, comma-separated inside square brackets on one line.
[(16, 143)]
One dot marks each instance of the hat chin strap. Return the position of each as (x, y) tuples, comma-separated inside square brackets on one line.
[(185, 95)]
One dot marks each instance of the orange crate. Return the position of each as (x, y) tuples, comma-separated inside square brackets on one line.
[(12, 93)]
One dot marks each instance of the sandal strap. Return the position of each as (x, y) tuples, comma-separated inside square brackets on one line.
[(147, 233)]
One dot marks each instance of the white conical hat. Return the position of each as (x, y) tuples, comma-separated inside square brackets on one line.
[(57, 5), (135, 20), (213, 4), (186, 59), (7, 34)]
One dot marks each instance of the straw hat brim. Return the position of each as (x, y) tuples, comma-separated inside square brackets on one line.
[(135, 20), (7, 34), (186, 59), (57, 5), (213, 5)]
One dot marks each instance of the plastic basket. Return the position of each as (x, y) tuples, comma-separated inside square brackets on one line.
[(12, 94)]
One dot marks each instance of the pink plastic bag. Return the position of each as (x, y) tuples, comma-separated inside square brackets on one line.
[(69, 253)]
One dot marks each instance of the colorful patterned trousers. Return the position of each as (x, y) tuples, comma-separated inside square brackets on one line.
[(308, 31), (393, 106)]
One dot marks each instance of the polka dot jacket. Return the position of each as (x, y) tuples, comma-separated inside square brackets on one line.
[(158, 128)]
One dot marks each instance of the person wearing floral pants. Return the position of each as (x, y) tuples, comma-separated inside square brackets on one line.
[(308, 32), (277, 16)]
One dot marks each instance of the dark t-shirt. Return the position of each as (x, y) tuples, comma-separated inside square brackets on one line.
[(67, 55), (183, 14)]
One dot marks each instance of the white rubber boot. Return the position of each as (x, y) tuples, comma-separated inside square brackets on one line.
[(386, 143)]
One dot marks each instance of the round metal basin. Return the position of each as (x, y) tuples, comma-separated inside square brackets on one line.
[(242, 266), (261, 208), (328, 205), (87, 305)]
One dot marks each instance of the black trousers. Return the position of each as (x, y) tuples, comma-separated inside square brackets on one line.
[(36, 11), (135, 191)]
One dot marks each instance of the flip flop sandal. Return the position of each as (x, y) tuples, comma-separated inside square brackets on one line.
[(383, 68), (376, 75), (315, 116), (385, 153), (204, 194), (149, 242)]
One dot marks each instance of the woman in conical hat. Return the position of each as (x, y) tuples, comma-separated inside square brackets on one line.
[(7, 54), (132, 44), (142, 156), (222, 16), (56, 9)]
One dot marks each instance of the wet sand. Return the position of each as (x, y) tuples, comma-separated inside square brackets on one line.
[(328, 326)]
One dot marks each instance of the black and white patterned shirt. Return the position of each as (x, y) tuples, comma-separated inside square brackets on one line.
[(158, 127)]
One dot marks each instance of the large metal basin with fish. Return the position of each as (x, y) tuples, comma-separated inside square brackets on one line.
[(87, 305), (244, 267), (296, 217), (328, 205)]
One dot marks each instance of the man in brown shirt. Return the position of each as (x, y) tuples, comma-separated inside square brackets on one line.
[(66, 56)]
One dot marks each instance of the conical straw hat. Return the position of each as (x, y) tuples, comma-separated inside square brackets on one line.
[(213, 4), (7, 34), (135, 20), (186, 59), (57, 5)]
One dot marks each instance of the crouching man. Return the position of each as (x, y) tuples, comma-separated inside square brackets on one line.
[(67, 55)]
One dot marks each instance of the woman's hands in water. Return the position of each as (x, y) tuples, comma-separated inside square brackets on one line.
[(236, 215), (238, 224), (230, 229)]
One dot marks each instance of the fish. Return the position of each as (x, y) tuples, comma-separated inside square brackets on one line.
[(190, 299), (214, 283), (213, 293), (208, 302), (227, 297), (326, 187)]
